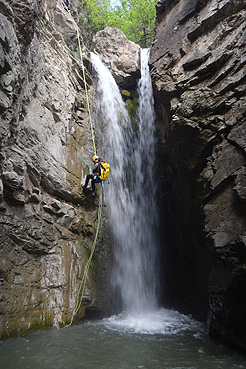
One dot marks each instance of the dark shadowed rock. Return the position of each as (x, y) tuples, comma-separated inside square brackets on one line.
[(198, 70)]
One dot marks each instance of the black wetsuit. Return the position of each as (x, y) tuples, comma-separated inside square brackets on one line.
[(94, 177)]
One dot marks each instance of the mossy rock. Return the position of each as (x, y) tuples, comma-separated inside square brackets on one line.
[(125, 93)]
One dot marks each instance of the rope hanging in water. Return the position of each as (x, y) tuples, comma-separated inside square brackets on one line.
[(84, 278)]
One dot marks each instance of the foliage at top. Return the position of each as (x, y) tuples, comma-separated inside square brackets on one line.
[(135, 18)]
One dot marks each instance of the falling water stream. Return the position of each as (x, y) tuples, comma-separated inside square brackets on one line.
[(132, 192), (143, 335)]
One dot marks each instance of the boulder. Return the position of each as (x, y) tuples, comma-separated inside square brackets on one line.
[(119, 54)]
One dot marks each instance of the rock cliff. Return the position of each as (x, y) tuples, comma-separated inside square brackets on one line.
[(47, 225), (198, 70)]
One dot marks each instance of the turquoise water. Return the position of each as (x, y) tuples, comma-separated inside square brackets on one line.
[(160, 340)]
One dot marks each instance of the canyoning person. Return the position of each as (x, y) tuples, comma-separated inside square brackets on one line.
[(99, 173), (66, 4)]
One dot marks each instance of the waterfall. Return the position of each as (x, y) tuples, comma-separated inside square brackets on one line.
[(131, 193)]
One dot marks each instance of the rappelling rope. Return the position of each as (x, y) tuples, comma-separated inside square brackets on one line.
[(84, 78), (85, 84), (84, 278), (83, 282)]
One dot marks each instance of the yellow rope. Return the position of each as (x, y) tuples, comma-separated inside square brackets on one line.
[(83, 281), (84, 278), (86, 91), (84, 78)]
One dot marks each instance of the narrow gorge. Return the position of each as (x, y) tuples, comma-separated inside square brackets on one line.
[(184, 199)]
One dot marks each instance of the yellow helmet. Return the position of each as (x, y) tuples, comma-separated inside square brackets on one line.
[(95, 157)]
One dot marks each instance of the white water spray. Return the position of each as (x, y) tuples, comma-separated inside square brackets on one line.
[(131, 194)]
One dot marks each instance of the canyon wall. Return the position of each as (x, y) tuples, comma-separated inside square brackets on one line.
[(198, 71), (47, 225)]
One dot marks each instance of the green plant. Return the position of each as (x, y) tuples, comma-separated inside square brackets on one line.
[(135, 18), (86, 251), (126, 93), (131, 106), (210, 164), (61, 200)]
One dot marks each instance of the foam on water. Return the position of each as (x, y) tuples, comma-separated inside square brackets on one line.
[(163, 321)]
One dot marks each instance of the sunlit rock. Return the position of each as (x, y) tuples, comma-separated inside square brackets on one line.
[(119, 54), (45, 150)]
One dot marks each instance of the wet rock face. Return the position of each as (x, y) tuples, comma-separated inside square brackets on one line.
[(119, 54), (198, 70), (46, 223)]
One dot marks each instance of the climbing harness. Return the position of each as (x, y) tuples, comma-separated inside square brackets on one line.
[(84, 278)]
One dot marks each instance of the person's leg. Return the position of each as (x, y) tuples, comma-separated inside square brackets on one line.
[(93, 187), (93, 182), (88, 177)]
